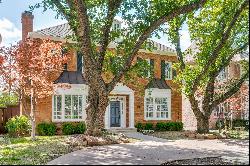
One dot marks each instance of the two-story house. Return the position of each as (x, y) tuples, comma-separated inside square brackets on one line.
[(128, 105)]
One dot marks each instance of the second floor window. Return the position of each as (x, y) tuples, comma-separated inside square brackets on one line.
[(150, 71), (166, 70), (116, 26), (223, 74)]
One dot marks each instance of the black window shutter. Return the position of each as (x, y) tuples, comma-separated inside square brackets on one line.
[(152, 68), (163, 74), (174, 72), (79, 62), (65, 65)]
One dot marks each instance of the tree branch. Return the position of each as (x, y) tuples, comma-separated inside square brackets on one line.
[(179, 52), (208, 96), (235, 87), (113, 6), (209, 93), (220, 45), (182, 10)]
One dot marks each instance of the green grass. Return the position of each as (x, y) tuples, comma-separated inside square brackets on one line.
[(24, 151), (238, 134)]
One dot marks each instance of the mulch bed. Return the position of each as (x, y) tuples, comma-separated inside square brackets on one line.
[(203, 161)]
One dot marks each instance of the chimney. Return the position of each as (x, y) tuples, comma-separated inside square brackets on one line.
[(27, 23)]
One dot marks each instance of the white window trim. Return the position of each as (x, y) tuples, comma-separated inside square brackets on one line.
[(158, 93), (74, 90), (170, 71)]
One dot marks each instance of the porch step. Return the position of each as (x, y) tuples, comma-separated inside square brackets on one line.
[(125, 130)]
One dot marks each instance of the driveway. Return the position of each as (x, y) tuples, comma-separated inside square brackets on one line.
[(155, 151)]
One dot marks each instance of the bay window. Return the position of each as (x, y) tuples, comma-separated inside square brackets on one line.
[(68, 107), (158, 105)]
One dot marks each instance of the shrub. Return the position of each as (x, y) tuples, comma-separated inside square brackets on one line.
[(148, 126), (241, 123), (139, 126), (219, 124), (160, 126), (178, 126), (169, 126), (47, 129), (80, 128), (18, 126), (68, 128)]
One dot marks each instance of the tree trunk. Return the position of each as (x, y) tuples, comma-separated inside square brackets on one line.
[(202, 124), (32, 115), (202, 120), (98, 102)]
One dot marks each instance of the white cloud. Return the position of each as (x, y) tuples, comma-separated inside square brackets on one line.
[(10, 33)]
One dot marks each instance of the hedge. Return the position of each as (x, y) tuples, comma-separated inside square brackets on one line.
[(160, 126)]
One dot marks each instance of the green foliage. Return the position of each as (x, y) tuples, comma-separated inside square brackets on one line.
[(6, 99), (46, 129), (69, 128), (241, 123), (219, 124), (18, 126), (169, 126), (139, 126), (206, 29), (148, 126), (80, 128), (160, 126)]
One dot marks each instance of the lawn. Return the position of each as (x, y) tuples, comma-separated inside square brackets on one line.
[(26, 152)]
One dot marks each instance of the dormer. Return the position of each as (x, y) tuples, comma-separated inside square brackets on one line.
[(116, 25)]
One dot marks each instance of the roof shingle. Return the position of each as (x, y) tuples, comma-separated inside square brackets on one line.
[(158, 83), (71, 77)]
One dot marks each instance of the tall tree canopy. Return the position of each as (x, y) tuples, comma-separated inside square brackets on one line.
[(219, 31), (91, 22)]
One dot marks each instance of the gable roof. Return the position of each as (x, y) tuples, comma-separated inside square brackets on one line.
[(71, 77), (64, 30), (158, 83)]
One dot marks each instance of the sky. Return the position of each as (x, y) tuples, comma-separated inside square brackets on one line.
[(10, 22)]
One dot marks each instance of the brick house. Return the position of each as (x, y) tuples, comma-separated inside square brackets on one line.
[(234, 70), (158, 101)]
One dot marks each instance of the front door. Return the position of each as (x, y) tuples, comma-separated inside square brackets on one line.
[(115, 114)]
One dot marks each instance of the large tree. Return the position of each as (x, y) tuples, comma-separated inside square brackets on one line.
[(219, 32), (35, 62), (91, 22)]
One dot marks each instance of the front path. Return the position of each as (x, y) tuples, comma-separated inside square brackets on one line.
[(153, 150)]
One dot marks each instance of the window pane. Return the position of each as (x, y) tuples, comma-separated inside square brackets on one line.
[(150, 114), (75, 106), (157, 114), (149, 100), (54, 111), (168, 70), (67, 106), (59, 103), (80, 104)]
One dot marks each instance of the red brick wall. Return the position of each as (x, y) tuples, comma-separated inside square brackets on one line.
[(44, 106)]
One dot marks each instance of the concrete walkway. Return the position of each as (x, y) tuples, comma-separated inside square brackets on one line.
[(155, 151)]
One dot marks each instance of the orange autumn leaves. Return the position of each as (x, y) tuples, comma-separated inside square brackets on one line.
[(36, 61)]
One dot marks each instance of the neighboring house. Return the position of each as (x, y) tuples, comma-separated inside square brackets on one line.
[(227, 109), (128, 105)]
